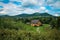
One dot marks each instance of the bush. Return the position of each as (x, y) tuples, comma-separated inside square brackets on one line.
[(6, 34)]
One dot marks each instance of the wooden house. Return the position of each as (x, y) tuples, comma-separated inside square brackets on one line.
[(36, 23)]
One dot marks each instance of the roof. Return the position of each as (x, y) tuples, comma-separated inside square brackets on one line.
[(34, 21)]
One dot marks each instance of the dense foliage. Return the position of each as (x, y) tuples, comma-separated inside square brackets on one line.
[(6, 34), (17, 29)]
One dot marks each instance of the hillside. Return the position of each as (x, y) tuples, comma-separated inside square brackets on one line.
[(30, 15)]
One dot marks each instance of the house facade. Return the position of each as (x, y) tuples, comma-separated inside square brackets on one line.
[(36, 23)]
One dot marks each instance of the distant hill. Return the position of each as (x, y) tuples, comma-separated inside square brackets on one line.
[(34, 14), (41, 14), (30, 15), (4, 16)]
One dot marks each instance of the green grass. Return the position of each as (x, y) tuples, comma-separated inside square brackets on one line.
[(42, 28)]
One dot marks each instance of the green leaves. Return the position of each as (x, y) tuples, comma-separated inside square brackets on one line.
[(6, 34)]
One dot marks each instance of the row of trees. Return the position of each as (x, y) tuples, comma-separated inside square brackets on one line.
[(53, 21)]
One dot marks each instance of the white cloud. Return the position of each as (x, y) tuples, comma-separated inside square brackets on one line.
[(35, 2), (29, 1), (42, 8), (13, 0), (55, 5), (51, 1), (56, 14), (28, 10), (11, 9), (3, 12), (47, 11)]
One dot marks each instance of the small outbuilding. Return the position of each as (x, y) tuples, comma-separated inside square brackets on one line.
[(35, 23)]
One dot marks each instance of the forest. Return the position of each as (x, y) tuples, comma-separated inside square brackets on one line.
[(16, 28)]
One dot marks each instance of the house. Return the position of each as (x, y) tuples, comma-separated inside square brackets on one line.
[(36, 23)]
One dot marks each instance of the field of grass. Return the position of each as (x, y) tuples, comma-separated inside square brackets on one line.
[(42, 28)]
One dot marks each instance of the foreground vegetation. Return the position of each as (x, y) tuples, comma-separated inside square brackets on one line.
[(6, 34), (17, 29)]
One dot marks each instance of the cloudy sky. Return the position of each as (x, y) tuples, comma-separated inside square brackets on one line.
[(15, 7)]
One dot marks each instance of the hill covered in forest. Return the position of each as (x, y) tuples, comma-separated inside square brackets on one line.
[(30, 15)]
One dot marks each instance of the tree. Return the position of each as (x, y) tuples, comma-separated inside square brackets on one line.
[(54, 23)]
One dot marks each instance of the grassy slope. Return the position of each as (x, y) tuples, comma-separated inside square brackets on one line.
[(43, 28)]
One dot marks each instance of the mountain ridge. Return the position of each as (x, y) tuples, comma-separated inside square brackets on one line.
[(29, 15)]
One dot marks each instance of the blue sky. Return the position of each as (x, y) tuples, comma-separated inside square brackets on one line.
[(15, 7)]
